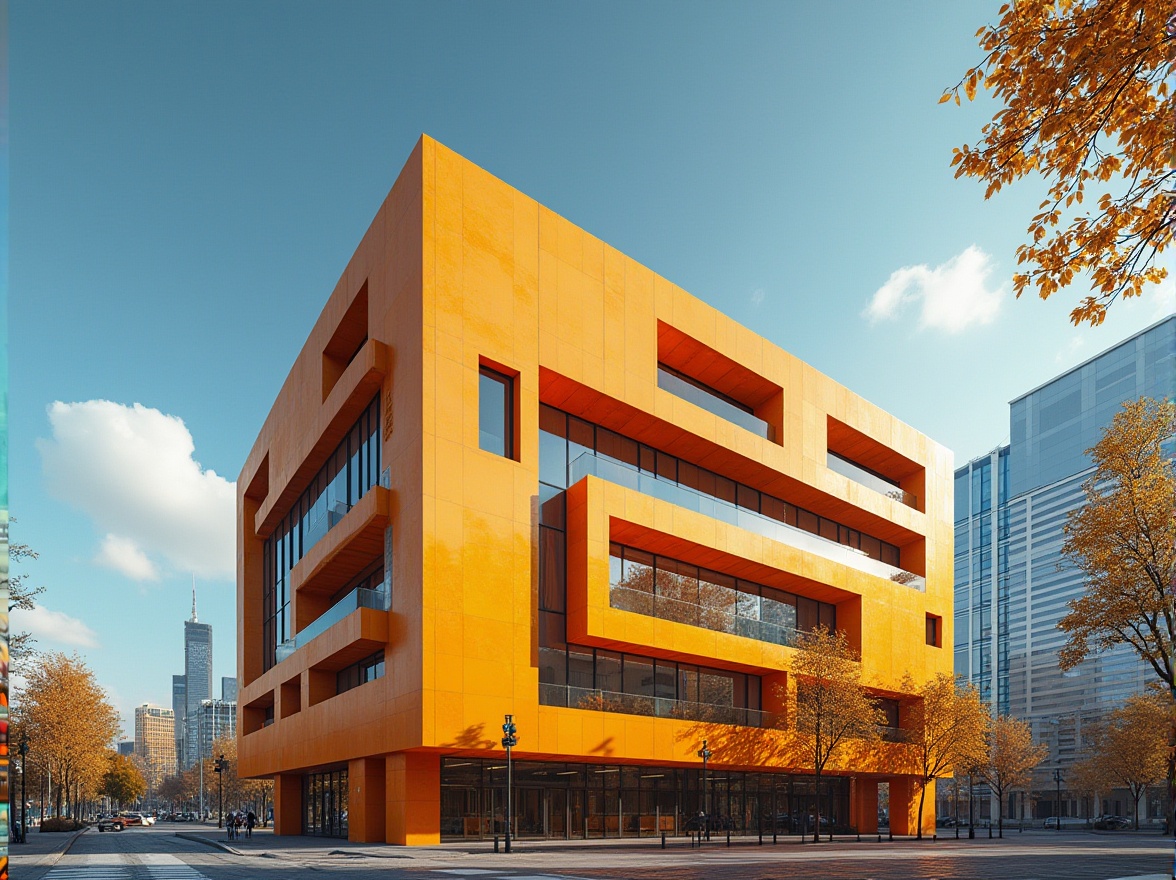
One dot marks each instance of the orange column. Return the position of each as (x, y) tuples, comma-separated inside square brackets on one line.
[(904, 806), (287, 803), (413, 798), (863, 806), (366, 779)]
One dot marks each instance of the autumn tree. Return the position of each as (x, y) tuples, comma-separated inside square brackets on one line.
[(1088, 776), (122, 782), (70, 724), (21, 597), (1087, 102), (832, 707), (1123, 540), (1009, 759), (1132, 745), (948, 724)]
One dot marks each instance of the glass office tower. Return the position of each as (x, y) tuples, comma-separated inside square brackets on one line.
[(1012, 584)]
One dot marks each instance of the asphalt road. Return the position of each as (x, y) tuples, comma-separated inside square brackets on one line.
[(157, 854)]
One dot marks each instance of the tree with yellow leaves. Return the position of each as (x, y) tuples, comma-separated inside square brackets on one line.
[(1088, 101), (1132, 745), (1009, 760), (70, 724), (1124, 542), (948, 724), (123, 783), (832, 707)]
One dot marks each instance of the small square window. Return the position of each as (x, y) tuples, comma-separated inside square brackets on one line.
[(934, 630), (496, 413)]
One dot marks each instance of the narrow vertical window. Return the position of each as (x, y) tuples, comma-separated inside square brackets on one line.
[(496, 413)]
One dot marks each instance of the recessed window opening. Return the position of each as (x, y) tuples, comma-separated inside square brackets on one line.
[(496, 412), (712, 400), (368, 669)]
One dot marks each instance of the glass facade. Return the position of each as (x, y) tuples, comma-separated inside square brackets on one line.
[(367, 669), (672, 590), (613, 800), (1012, 584), (565, 439), (324, 803), (352, 469)]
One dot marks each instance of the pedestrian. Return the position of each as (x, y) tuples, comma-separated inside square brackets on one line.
[(229, 824), (250, 821)]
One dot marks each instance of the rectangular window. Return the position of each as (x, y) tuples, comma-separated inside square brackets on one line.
[(934, 624), (496, 413)]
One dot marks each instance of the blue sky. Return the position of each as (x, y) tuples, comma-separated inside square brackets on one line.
[(188, 181)]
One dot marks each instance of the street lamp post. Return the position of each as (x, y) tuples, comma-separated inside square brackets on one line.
[(220, 765), (1057, 775), (706, 755), (510, 739), (24, 775), (971, 800)]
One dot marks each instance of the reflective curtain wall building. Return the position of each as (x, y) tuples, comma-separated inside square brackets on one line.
[(1012, 584)]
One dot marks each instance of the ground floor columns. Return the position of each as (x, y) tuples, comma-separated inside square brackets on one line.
[(287, 803), (413, 798), (367, 781), (863, 805), (904, 806)]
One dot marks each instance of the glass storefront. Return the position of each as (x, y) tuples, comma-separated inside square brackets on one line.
[(324, 801), (611, 800)]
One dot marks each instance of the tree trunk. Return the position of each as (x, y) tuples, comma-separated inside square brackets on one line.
[(817, 809), (1000, 812), (922, 795)]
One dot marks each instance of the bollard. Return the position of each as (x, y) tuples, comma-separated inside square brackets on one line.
[(859, 835), (891, 835), (663, 840), (879, 836), (957, 832), (773, 835), (990, 832), (935, 837), (728, 837), (761, 842), (496, 843)]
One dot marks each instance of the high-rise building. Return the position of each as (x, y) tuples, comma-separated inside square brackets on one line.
[(515, 474), (197, 680), (1012, 584), (215, 719), (179, 713), (155, 743), (126, 748), (229, 689)]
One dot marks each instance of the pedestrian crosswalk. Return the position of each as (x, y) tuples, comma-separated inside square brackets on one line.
[(145, 866)]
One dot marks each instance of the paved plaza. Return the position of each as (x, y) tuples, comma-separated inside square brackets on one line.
[(178, 852)]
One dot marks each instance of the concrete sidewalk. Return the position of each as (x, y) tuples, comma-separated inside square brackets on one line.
[(42, 850)]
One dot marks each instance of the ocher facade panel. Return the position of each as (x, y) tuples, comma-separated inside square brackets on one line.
[(460, 270)]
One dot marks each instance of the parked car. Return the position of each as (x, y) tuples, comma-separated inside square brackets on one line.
[(130, 818), (946, 821), (1111, 823), (112, 823)]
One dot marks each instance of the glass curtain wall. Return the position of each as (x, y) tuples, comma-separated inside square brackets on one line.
[(595, 800)]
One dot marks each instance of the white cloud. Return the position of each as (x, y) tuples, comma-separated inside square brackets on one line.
[(131, 470), (757, 297), (951, 297), (124, 555), (54, 626)]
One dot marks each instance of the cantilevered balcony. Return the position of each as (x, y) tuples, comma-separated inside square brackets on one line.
[(357, 598)]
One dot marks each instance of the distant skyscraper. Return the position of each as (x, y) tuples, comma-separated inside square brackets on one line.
[(229, 689), (216, 719), (1012, 584), (155, 743), (179, 712), (126, 748), (197, 679)]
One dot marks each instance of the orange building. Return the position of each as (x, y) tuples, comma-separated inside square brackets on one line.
[(513, 471)]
